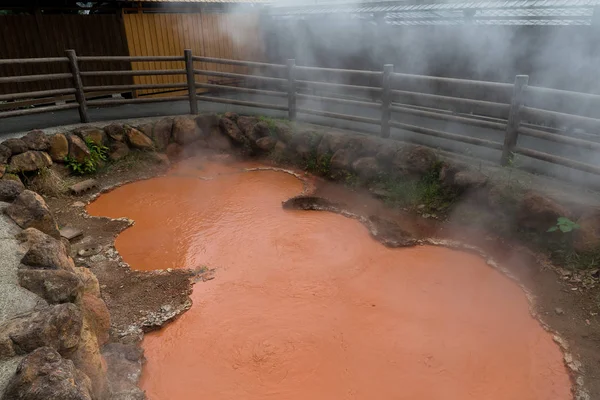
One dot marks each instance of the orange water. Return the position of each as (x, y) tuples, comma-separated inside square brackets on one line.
[(306, 306)]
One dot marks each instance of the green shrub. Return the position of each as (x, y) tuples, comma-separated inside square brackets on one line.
[(98, 154)]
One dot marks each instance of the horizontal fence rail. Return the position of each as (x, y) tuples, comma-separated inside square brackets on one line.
[(512, 110)]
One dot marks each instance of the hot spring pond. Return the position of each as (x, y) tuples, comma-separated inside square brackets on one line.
[(306, 305)]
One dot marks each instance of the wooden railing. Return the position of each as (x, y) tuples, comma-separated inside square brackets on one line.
[(505, 108)]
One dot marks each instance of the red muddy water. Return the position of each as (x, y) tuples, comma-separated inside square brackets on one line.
[(305, 305)]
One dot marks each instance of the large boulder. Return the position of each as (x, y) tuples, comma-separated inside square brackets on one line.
[(16, 146), (5, 154), (45, 375), (115, 132), (266, 143), (44, 251), (138, 140), (36, 140), (162, 133), (539, 212), (146, 129), (10, 190), (259, 130), (283, 132), (207, 122), (174, 151), (96, 313), (54, 285), (88, 359), (78, 150), (414, 160), (217, 141), (29, 210), (342, 160), (246, 124), (118, 150), (92, 134), (587, 237), (29, 161), (59, 147), (89, 280), (232, 130), (185, 130), (367, 167), (58, 326), (124, 363), (461, 178)]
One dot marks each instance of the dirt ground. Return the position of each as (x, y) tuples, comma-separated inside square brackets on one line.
[(141, 301)]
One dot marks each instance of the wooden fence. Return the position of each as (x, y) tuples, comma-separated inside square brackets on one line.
[(230, 36), (47, 35), (513, 115)]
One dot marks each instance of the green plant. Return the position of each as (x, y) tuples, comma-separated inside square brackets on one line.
[(565, 225), (426, 191), (98, 154), (319, 165)]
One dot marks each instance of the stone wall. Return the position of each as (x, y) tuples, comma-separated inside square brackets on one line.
[(53, 347)]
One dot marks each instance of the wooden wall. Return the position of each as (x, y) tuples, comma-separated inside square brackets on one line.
[(232, 36), (29, 36)]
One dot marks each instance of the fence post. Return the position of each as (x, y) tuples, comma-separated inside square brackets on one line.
[(191, 81), (291, 71), (79, 95), (512, 125), (386, 84)]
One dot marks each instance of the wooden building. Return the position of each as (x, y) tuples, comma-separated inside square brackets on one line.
[(46, 28)]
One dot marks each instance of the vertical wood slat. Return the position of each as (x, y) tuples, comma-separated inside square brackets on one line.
[(49, 35), (512, 126), (206, 34), (386, 84), (83, 116)]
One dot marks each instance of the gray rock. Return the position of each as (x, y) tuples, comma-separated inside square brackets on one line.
[(207, 122), (231, 129), (138, 140), (10, 190), (8, 369), (36, 140), (92, 134), (45, 375), (5, 154), (78, 150), (115, 132), (162, 133), (118, 150), (16, 146), (54, 286), (45, 252), (366, 167), (59, 147), (539, 212), (246, 124), (342, 160), (185, 130), (58, 327), (29, 161), (15, 301), (259, 130), (465, 180), (266, 143), (29, 210), (414, 160), (283, 132), (124, 370)]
